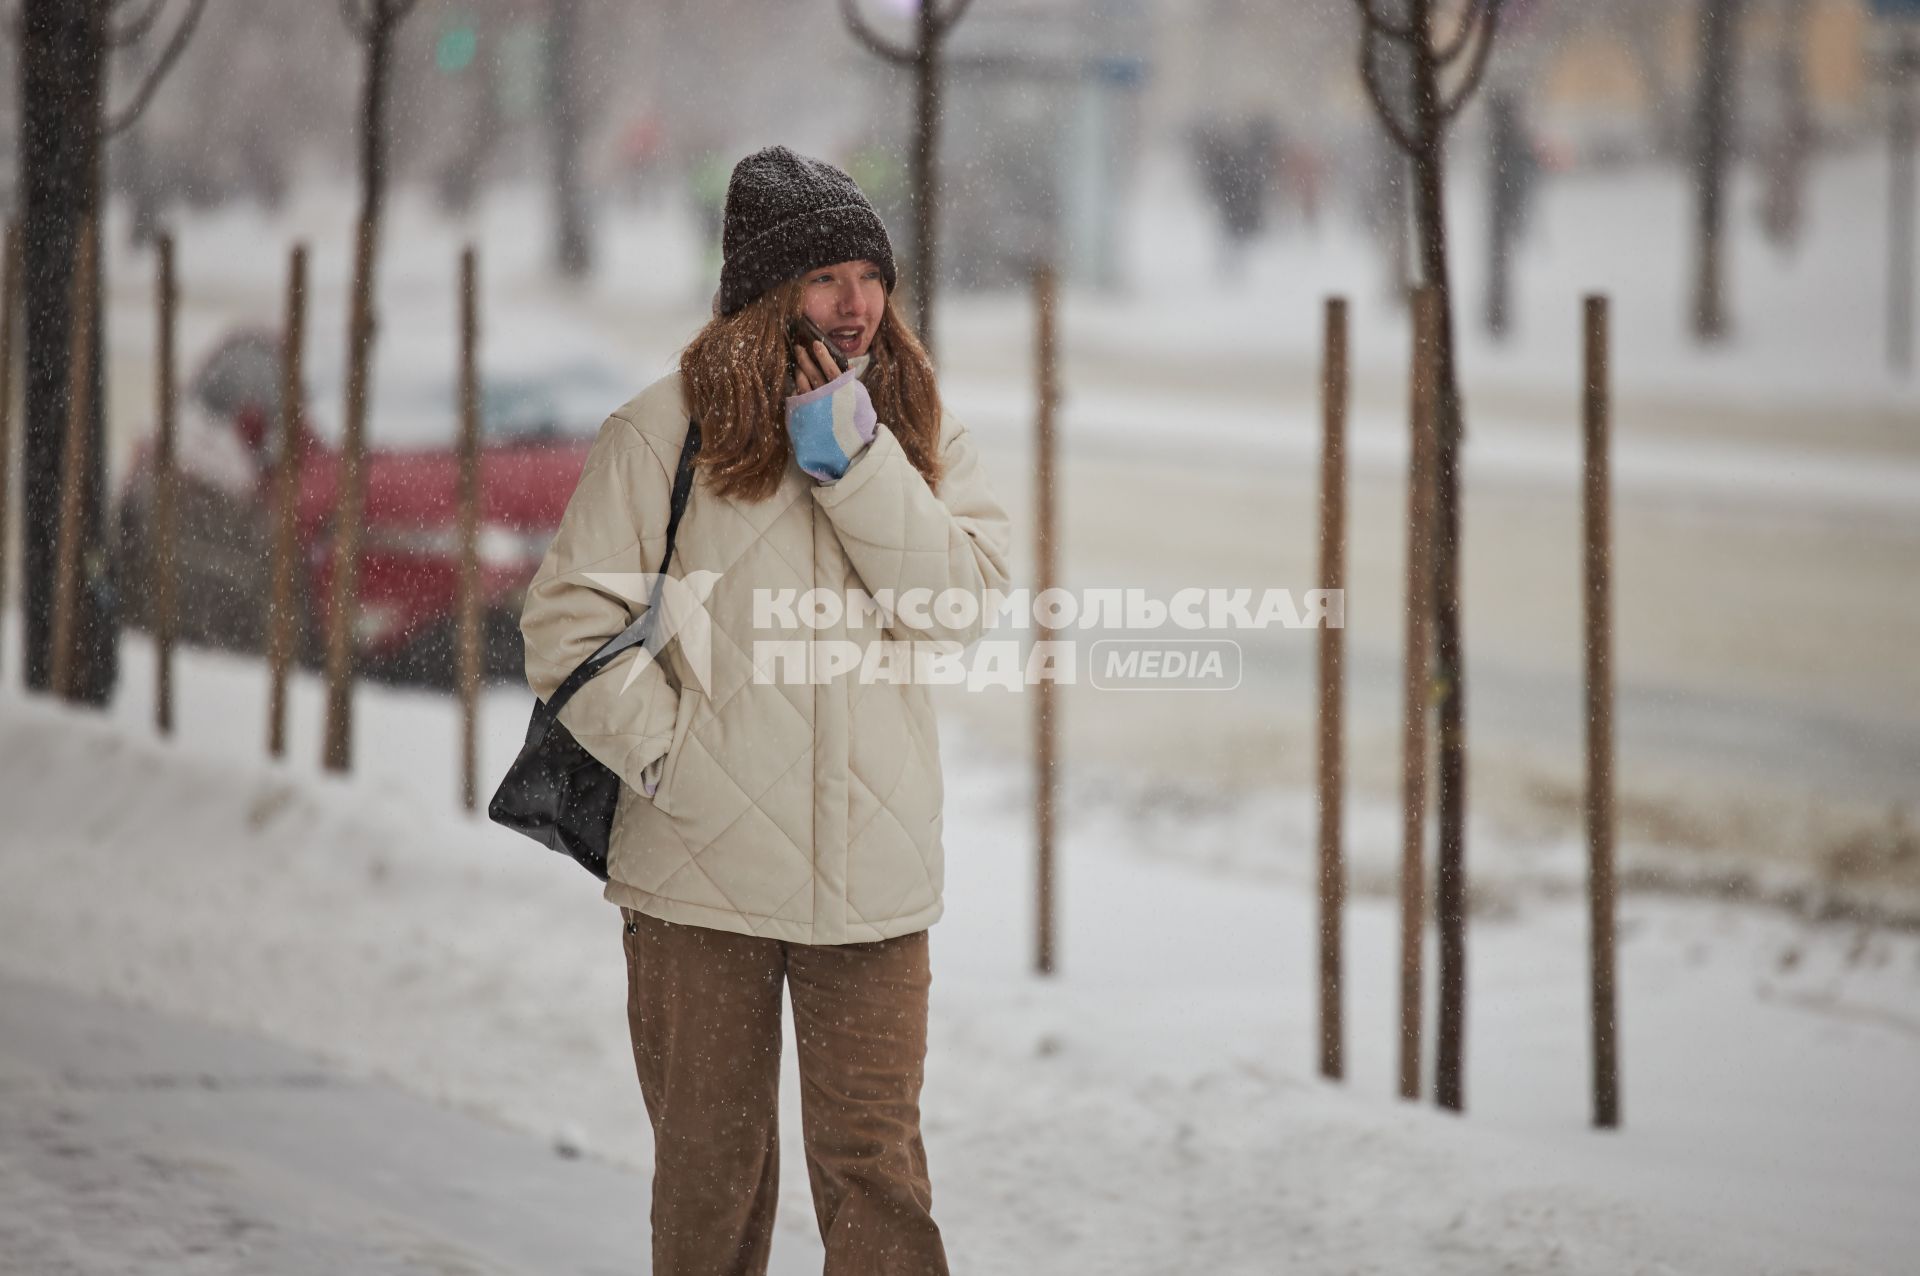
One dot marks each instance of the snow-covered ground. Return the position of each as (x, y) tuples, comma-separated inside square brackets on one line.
[(1152, 1108)]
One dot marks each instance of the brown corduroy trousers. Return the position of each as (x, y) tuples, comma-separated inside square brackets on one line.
[(704, 1009)]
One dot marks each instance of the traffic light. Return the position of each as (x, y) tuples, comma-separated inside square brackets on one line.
[(454, 53)]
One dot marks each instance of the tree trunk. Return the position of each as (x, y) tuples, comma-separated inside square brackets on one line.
[(926, 82), (1448, 659), (136, 182), (1395, 176), (1713, 127), (1900, 213), (1405, 227), (1499, 259), (350, 498), (573, 246), (1789, 149), (62, 66), (458, 182)]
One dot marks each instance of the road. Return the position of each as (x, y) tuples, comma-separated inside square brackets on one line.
[(1765, 621)]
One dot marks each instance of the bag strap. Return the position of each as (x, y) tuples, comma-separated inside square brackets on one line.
[(641, 630)]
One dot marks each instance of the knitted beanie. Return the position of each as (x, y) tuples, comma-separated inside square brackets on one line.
[(786, 215)]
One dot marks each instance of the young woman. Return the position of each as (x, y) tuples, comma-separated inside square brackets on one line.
[(780, 820)]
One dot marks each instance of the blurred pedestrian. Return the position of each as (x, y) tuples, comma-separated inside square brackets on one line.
[(1513, 170), (779, 829), (1237, 164)]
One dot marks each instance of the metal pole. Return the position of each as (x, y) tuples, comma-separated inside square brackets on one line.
[(1597, 410), (1328, 764), (1044, 566), (1418, 684)]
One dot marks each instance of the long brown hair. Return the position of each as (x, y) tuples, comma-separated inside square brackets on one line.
[(734, 373)]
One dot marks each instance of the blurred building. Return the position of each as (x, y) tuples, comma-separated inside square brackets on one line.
[(1626, 67), (1040, 132)]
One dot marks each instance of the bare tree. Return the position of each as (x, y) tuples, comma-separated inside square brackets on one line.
[(373, 23), (1903, 71), (132, 33), (64, 46), (1789, 148), (573, 247), (1444, 55), (931, 28), (1713, 152)]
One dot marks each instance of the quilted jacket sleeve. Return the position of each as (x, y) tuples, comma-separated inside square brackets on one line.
[(900, 535), (615, 522)]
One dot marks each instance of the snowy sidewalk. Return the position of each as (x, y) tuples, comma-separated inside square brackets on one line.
[(1150, 1109), (131, 1141)]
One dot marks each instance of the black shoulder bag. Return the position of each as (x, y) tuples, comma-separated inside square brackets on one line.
[(556, 792)]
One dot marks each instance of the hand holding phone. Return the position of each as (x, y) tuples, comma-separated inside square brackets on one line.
[(808, 368)]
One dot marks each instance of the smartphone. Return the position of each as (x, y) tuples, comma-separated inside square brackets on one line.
[(803, 331)]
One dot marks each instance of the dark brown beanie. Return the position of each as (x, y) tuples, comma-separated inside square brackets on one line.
[(786, 215)]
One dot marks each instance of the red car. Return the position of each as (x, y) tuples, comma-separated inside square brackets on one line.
[(535, 432)]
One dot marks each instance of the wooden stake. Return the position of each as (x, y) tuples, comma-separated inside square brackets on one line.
[(469, 617), (1418, 686), (73, 464), (1044, 571), (285, 606), (166, 495), (1597, 411), (1328, 763), (9, 307)]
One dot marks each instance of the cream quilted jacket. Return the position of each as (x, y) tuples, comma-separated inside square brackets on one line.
[(801, 810)]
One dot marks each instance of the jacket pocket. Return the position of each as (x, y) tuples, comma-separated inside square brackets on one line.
[(682, 724)]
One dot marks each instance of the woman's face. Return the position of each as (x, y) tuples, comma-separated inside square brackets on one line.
[(846, 301)]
